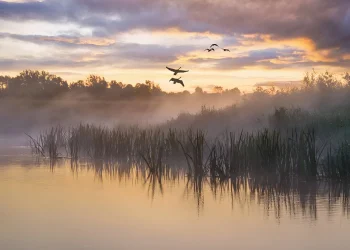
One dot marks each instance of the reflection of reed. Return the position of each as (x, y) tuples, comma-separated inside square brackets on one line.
[(154, 182), (277, 197), (290, 198), (339, 193), (194, 188)]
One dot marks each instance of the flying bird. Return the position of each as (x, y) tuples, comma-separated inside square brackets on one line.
[(177, 80), (211, 49), (226, 50), (176, 71), (214, 44)]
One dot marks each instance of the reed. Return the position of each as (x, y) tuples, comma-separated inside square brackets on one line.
[(284, 153), (153, 152), (49, 143), (337, 165), (194, 151)]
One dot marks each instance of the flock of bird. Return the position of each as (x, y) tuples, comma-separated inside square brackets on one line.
[(211, 48), (177, 71)]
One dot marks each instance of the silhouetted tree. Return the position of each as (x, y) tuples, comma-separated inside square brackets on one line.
[(36, 84), (218, 89), (347, 79), (128, 91), (116, 89), (79, 85), (116, 85), (3, 85), (96, 84), (43, 85), (234, 91), (198, 90)]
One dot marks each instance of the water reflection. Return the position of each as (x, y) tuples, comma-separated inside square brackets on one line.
[(103, 205), (277, 198)]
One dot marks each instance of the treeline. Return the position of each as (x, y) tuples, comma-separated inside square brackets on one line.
[(43, 85)]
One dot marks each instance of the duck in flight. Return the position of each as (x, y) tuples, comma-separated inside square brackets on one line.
[(177, 80), (226, 50), (214, 44), (176, 71), (211, 49)]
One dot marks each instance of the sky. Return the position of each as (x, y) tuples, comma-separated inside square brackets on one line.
[(133, 40)]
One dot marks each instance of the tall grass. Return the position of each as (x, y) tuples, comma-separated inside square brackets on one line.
[(284, 153), (49, 142), (337, 165)]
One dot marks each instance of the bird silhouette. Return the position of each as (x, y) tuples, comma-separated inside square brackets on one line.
[(211, 49), (177, 80), (176, 71), (226, 50), (214, 44)]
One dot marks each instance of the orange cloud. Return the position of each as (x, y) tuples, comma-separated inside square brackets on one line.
[(313, 54)]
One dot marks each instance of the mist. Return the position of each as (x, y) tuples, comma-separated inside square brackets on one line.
[(35, 101)]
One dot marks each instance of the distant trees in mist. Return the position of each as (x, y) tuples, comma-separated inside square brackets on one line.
[(43, 85)]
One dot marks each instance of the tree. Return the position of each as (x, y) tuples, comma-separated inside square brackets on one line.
[(347, 79), (79, 85), (96, 84), (198, 90), (4, 82), (234, 92), (218, 89), (128, 91), (114, 85), (186, 93), (142, 90), (37, 84)]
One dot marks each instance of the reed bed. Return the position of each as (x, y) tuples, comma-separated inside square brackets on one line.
[(283, 153)]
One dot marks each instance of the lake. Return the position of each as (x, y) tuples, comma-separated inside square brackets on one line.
[(100, 206)]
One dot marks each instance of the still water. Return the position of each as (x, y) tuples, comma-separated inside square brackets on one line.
[(89, 206)]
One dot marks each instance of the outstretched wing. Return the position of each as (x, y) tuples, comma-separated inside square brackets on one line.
[(182, 71), (214, 44), (182, 83), (173, 70)]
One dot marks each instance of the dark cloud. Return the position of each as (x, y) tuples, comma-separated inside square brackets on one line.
[(65, 41), (326, 22), (47, 10), (121, 55), (154, 52)]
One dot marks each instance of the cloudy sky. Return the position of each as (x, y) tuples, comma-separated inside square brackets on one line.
[(133, 40)]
